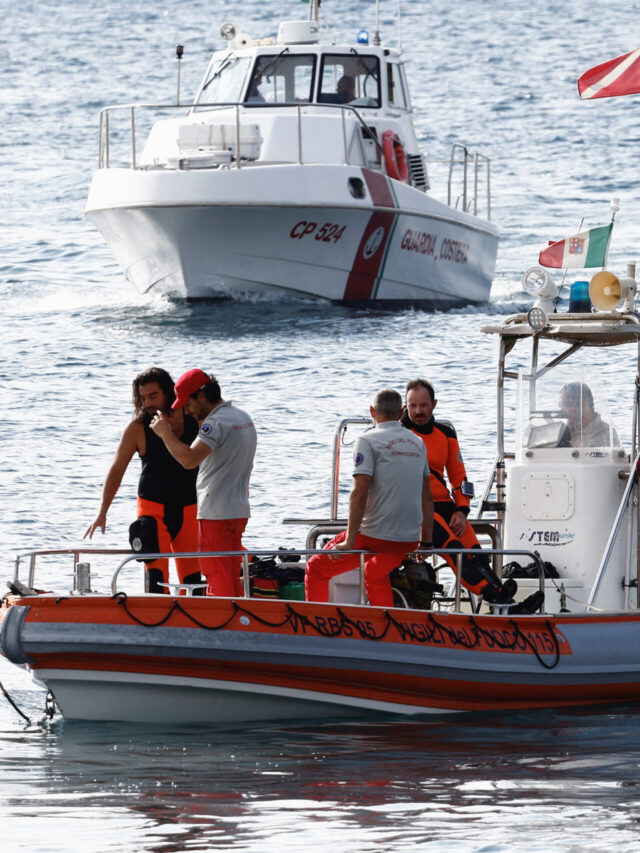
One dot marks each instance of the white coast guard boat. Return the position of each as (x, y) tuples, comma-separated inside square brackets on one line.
[(564, 507), (296, 171)]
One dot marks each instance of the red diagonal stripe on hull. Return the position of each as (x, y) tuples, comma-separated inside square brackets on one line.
[(379, 189), (366, 264)]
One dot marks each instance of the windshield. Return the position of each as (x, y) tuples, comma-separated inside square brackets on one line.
[(564, 409), (350, 79), (224, 80), (282, 79)]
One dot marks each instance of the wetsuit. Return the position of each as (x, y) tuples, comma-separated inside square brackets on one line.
[(443, 453), (167, 493)]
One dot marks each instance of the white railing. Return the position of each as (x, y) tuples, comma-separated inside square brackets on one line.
[(471, 164), (469, 174), (242, 111), (457, 553)]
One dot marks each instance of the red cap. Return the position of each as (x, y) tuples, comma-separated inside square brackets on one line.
[(189, 383)]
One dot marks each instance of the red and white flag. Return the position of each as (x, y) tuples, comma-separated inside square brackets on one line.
[(580, 251), (619, 76)]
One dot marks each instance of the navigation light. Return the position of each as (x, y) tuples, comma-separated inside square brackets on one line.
[(227, 31), (538, 282)]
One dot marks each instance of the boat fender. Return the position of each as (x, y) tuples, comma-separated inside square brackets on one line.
[(143, 536), (395, 158)]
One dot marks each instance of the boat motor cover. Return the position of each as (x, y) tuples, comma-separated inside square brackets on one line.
[(143, 537)]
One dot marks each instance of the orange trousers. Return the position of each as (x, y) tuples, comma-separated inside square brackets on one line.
[(322, 567), (476, 569), (185, 540), (222, 573)]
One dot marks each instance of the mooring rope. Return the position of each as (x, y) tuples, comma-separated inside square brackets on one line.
[(433, 631), (13, 704)]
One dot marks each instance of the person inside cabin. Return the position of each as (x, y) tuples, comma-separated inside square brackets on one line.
[(346, 89), (390, 507), (586, 427), (254, 95), (223, 453), (451, 528), (166, 492)]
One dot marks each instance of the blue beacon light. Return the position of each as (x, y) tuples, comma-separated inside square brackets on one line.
[(362, 37), (579, 302)]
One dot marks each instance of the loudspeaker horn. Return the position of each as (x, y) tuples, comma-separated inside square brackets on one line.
[(605, 291)]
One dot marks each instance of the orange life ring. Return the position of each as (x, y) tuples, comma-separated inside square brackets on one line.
[(395, 158)]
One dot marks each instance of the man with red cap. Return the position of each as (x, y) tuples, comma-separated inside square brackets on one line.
[(224, 450), (166, 492)]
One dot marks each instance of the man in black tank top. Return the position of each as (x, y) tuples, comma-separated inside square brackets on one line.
[(167, 510)]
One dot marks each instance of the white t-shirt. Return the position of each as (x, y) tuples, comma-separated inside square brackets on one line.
[(396, 460), (223, 476)]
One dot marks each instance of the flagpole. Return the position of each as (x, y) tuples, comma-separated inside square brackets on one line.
[(614, 207)]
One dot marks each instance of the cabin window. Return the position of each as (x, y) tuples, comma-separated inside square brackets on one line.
[(405, 87), (281, 79), (350, 79), (395, 85), (224, 80)]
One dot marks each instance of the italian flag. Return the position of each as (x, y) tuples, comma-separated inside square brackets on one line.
[(587, 249), (619, 76)]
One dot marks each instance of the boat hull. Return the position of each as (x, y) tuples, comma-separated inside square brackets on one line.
[(291, 231), (155, 659)]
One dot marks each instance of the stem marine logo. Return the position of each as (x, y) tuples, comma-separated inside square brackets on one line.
[(553, 538)]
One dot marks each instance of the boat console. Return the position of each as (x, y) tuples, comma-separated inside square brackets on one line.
[(567, 487)]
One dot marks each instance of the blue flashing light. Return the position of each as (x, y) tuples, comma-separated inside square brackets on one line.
[(579, 302), (362, 37)]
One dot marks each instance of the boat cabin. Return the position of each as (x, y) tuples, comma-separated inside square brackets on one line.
[(307, 74), (295, 101), (565, 485)]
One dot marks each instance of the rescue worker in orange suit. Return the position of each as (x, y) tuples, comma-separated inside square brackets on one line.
[(166, 506), (450, 526)]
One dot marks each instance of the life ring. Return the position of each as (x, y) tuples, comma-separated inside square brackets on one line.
[(395, 158)]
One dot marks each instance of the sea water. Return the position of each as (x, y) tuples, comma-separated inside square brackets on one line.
[(500, 77)]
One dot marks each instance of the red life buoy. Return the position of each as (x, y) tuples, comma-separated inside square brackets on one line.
[(395, 158)]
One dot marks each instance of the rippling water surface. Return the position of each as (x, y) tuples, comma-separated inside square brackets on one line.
[(500, 77)]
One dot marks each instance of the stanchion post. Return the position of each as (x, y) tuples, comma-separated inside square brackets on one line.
[(458, 580), (246, 581)]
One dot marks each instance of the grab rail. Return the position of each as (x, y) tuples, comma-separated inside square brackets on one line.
[(244, 555), (472, 163), (624, 504), (75, 552), (104, 145), (340, 430)]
